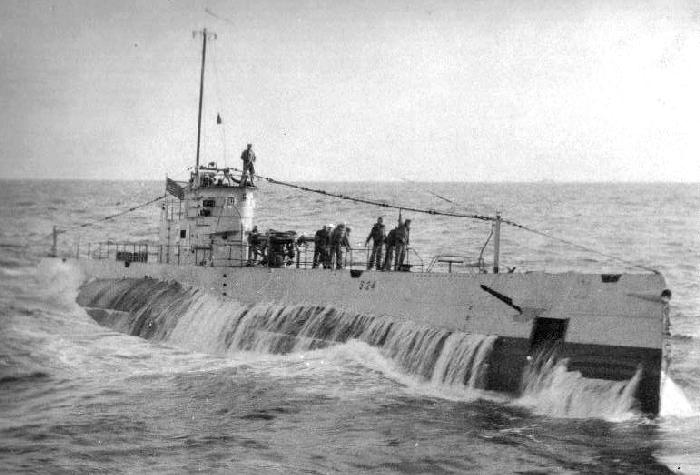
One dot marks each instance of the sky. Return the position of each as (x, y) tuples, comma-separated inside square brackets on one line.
[(476, 91)]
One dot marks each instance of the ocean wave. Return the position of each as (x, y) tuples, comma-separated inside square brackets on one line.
[(23, 378)]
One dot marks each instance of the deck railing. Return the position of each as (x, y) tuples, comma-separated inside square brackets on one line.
[(238, 255)]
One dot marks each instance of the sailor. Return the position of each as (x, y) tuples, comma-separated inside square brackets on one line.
[(403, 232), (291, 252), (252, 246), (321, 243), (390, 242), (377, 235), (327, 248), (248, 157), (339, 240)]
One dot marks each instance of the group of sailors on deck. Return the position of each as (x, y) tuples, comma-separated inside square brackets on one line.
[(280, 248), (396, 242), (330, 241)]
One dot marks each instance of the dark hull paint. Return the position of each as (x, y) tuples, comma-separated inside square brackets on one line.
[(508, 361)]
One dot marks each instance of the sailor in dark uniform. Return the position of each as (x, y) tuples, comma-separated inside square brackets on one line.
[(403, 233), (253, 243), (390, 242), (321, 243), (248, 157), (339, 240), (377, 235)]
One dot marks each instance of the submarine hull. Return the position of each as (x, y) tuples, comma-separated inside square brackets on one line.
[(608, 327)]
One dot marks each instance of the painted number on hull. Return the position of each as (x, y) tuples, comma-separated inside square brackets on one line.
[(367, 284)]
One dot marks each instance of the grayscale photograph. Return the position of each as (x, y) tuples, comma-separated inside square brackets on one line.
[(319, 236)]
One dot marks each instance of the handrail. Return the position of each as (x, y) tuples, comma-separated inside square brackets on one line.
[(422, 264), (234, 254), (479, 264)]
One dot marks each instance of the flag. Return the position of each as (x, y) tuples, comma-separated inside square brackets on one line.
[(219, 120), (172, 187)]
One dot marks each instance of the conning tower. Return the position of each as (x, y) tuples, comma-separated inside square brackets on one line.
[(207, 220)]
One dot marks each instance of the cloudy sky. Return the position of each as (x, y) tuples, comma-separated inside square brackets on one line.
[(354, 90)]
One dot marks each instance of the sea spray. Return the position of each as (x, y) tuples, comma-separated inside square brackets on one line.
[(551, 389), (673, 401)]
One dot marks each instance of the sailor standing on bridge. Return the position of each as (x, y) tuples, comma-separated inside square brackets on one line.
[(248, 157)]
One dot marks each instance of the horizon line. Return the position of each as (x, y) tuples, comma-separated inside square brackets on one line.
[(538, 181)]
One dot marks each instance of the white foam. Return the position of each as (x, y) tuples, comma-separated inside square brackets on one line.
[(338, 363), (558, 392), (673, 400), (61, 282)]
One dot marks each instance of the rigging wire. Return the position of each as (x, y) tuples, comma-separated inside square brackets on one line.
[(121, 213), (393, 206), (431, 192), (374, 202), (219, 17), (540, 233), (578, 246), (93, 222), (459, 215)]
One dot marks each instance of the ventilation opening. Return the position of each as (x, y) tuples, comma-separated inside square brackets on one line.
[(547, 336)]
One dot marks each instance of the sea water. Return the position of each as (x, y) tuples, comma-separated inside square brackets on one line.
[(79, 397)]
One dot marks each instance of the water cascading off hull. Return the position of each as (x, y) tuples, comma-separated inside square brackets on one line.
[(165, 311), (162, 311)]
